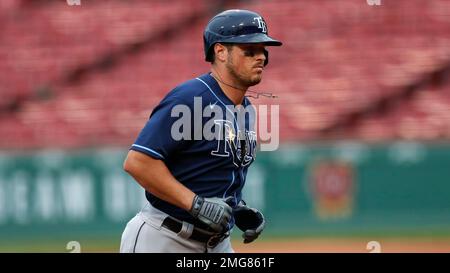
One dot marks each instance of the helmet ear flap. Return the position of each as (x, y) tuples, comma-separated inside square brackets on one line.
[(266, 53), (209, 54)]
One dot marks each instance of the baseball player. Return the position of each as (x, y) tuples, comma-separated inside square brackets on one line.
[(193, 186)]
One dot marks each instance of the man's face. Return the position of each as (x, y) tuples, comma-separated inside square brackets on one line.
[(245, 63)]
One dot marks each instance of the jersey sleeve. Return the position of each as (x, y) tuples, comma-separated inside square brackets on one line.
[(155, 138)]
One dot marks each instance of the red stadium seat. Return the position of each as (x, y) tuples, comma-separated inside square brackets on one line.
[(337, 59)]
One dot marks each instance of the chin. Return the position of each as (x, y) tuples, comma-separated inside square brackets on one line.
[(256, 80), (251, 80)]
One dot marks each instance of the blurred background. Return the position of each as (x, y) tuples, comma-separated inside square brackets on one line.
[(364, 94)]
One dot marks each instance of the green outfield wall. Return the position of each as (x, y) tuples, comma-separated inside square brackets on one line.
[(303, 189)]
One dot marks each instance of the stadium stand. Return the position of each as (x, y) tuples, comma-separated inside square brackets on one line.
[(78, 77)]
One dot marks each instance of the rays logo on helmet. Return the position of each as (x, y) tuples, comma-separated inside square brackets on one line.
[(261, 24)]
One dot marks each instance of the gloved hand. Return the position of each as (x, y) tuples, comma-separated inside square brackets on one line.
[(249, 220), (214, 212)]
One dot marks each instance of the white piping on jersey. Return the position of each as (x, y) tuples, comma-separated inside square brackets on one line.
[(234, 195), (148, 149), (232, 182), (237, 125)]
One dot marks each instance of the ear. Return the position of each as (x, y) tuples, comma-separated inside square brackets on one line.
[(220, 52)]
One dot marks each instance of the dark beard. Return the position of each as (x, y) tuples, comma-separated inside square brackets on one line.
[(245, 83)]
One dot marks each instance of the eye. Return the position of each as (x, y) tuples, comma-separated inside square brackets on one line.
[(249, 52), (252, 51)]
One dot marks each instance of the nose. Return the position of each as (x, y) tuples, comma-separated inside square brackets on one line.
[(261, 56)]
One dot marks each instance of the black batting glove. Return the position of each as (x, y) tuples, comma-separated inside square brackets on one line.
[(249, 220), (214, 212)]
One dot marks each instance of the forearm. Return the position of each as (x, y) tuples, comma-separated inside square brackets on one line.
[(154, 176)]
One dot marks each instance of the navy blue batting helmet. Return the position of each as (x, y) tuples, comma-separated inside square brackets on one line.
[(238, 27)]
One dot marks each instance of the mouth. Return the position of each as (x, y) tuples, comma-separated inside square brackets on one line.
[(259, 68)]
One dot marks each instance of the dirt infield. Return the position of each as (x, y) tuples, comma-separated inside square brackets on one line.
[(353, 245), (262, 245)]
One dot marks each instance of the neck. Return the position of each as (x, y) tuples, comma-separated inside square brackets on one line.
[(231, 89)]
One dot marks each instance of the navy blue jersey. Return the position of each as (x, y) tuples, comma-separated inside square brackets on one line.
[(209, 167)]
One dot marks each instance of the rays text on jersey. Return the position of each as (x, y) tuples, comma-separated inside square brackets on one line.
[(206, 122)]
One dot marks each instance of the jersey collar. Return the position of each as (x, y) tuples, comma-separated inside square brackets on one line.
[(209, 79)]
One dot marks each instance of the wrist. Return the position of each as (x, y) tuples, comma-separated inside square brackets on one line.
[(242, 203), (197, 203), (186, 202)]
